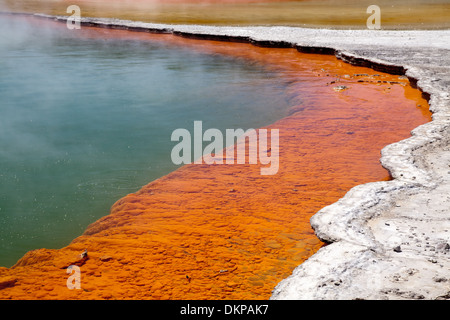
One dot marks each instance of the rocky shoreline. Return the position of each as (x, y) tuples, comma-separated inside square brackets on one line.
[(390, 239)]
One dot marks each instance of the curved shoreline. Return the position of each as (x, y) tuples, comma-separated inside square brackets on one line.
[(335, 270), (359, 251)]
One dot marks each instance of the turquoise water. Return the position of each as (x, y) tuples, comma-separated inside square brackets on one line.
[(84, 122)]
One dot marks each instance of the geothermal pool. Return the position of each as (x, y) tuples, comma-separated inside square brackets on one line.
[(202, 231), (86, 121)]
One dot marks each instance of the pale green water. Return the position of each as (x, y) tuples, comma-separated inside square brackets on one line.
[(84, 122)]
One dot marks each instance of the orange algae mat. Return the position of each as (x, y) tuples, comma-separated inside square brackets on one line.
[(226, 231)]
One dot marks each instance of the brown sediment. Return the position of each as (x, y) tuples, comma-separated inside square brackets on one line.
[(226, 231), (311, 13)]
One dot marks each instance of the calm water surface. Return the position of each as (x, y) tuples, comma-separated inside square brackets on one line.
[(84, 122)]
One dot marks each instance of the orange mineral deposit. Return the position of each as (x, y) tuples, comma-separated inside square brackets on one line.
[(226, 231)]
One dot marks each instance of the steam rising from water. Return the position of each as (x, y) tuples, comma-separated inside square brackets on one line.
[(84, 122)]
